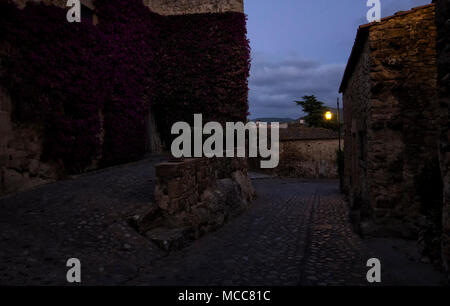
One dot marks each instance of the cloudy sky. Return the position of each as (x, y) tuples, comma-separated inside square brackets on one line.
[(301, 47)]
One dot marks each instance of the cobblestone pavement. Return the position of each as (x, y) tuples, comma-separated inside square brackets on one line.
[(84, 218), (296, 233)]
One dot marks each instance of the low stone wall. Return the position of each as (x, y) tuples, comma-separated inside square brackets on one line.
[(197, 195), (309, 159)]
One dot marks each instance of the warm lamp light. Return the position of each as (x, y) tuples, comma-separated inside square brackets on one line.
[(328, 115)]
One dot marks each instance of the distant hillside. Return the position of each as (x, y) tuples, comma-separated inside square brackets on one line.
[(281, 120)]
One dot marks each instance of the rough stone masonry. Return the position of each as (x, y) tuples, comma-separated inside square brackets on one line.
[(305, 152), (391, 120), (195, 196), (443, 49)]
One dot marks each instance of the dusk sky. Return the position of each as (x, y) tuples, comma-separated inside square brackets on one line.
[(301, 47)]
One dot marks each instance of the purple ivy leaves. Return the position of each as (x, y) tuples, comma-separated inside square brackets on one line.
[(93, 85)]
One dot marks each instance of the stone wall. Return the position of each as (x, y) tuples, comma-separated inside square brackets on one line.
[(391, 120), (21, 166), (356, 121), (309, 159), (21, 145), (177, 7), (443, 49), (198, 194), (403, 141)]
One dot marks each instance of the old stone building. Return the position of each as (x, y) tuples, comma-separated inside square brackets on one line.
[(391, 128), (443, 50), (21, 145)]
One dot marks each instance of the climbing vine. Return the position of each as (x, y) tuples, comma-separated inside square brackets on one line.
[(92, 85)]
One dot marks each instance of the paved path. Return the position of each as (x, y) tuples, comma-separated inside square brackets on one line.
[(85, 218), (296, 233)]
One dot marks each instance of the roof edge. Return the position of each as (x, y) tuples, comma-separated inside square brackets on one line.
[(360, 40)]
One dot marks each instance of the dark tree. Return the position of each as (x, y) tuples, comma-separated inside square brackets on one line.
[(315, 111)]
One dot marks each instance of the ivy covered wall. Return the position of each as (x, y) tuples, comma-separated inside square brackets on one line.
[(91, 86)]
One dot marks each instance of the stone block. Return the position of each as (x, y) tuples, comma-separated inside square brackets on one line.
[(247, 191), (192, 197), (163, 202), (175, 188), (33, 167), (12, 180), (191, 200), (17, 159), (48, 171), (5, 124), (201, 215)]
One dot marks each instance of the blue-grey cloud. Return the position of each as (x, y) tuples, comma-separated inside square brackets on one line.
[(275, 85), (323, 31)]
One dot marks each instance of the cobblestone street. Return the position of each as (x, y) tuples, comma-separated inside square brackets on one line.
[(296, 233)]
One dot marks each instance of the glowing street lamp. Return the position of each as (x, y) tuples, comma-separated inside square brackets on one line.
[(328, 116)]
